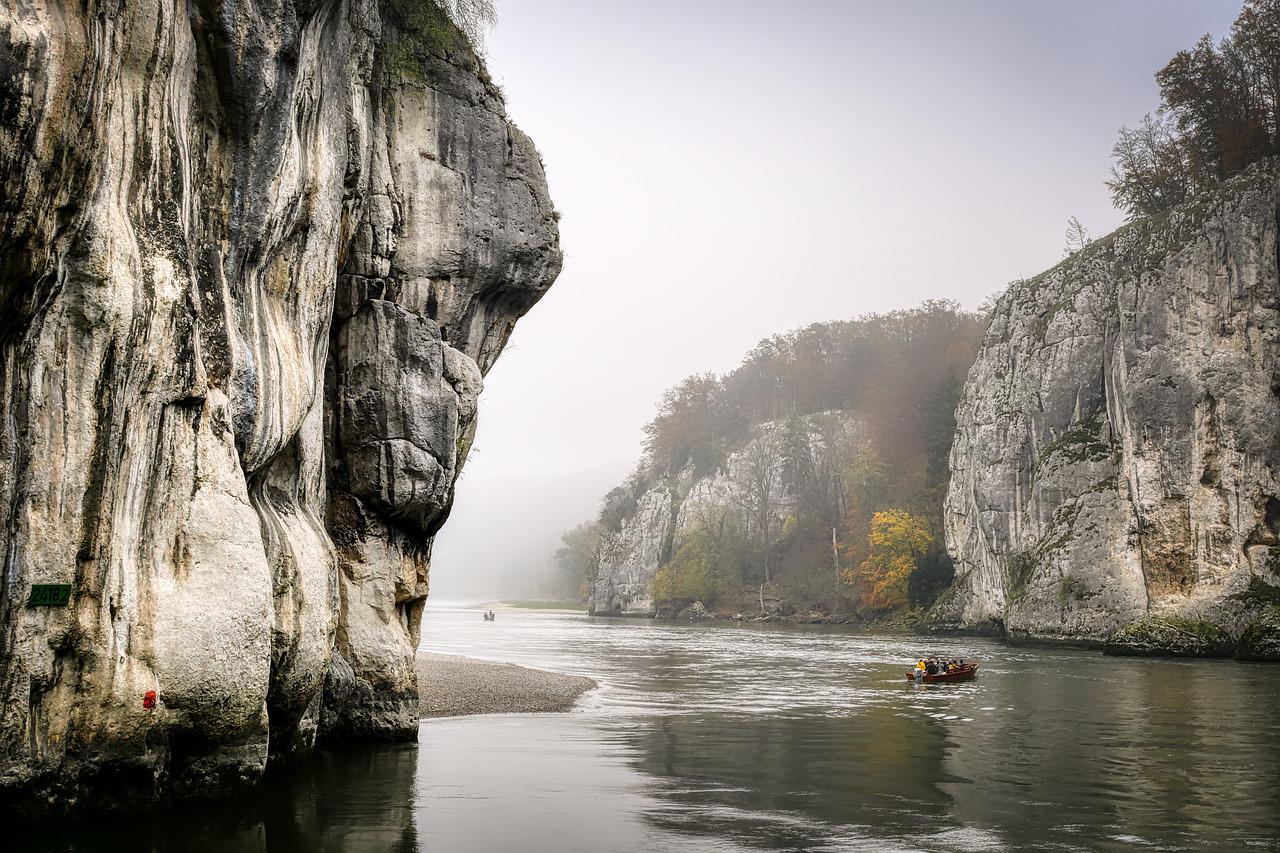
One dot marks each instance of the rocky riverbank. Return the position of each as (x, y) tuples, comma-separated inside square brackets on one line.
[(453, 686)]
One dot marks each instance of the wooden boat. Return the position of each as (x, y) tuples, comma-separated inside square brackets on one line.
[(960, 673)]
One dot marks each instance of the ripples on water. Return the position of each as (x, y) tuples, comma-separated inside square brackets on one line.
[(810, 738), (731, 738)]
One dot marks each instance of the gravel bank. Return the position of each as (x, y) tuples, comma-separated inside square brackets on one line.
[(450, 686)]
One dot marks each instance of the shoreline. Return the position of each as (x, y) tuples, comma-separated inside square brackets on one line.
[(456, 686), (1268, 648)]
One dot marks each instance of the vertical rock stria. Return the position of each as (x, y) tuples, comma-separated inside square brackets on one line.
[(255, 257), (1117, 452), (630, 556)]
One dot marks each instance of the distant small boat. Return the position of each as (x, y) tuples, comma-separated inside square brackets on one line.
[(960, 673)]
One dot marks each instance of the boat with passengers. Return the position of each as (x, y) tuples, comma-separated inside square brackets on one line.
[(935, 671)]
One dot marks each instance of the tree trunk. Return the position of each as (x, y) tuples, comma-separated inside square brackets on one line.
[(835, 556)]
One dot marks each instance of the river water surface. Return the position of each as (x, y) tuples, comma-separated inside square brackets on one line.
[(742, 738)]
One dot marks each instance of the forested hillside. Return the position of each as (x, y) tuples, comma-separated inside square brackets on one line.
[(811, 476)]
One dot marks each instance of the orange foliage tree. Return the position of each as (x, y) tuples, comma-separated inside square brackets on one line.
[(896, 542)]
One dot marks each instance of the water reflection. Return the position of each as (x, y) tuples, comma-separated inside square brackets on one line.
[(812, 740), (814, 766), (349, 799), (719, 738), (1113, 752)]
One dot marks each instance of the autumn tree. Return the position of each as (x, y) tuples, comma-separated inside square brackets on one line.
[(1256, 36), (1211, 95), (897, 541)]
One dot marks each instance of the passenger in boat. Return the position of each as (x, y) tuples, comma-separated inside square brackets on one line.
[(931, 667)]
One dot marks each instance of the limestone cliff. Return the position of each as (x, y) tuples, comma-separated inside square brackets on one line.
[(630, 556), (1117, 455), (256, 256), (669, 510)]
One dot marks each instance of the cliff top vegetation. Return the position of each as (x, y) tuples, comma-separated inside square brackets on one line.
[(1219, 113)]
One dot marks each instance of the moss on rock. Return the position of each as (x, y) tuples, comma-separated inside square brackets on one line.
[(417, 30), (1261, 638), (1083, 441), (1258, 593), (1170, 636)]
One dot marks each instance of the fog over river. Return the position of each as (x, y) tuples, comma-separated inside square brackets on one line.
[(738, 738)]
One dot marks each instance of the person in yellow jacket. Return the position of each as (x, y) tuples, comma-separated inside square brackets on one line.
[(920, 670)]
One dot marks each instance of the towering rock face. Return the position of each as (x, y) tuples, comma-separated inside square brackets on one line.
[(1117, 455), (630, 556), (256, 257)]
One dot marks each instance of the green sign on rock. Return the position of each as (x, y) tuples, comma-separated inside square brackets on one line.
[(49, 595)]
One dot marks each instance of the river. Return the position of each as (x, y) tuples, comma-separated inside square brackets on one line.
[(741, 738)]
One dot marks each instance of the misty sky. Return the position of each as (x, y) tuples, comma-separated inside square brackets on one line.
[(729, 169)]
